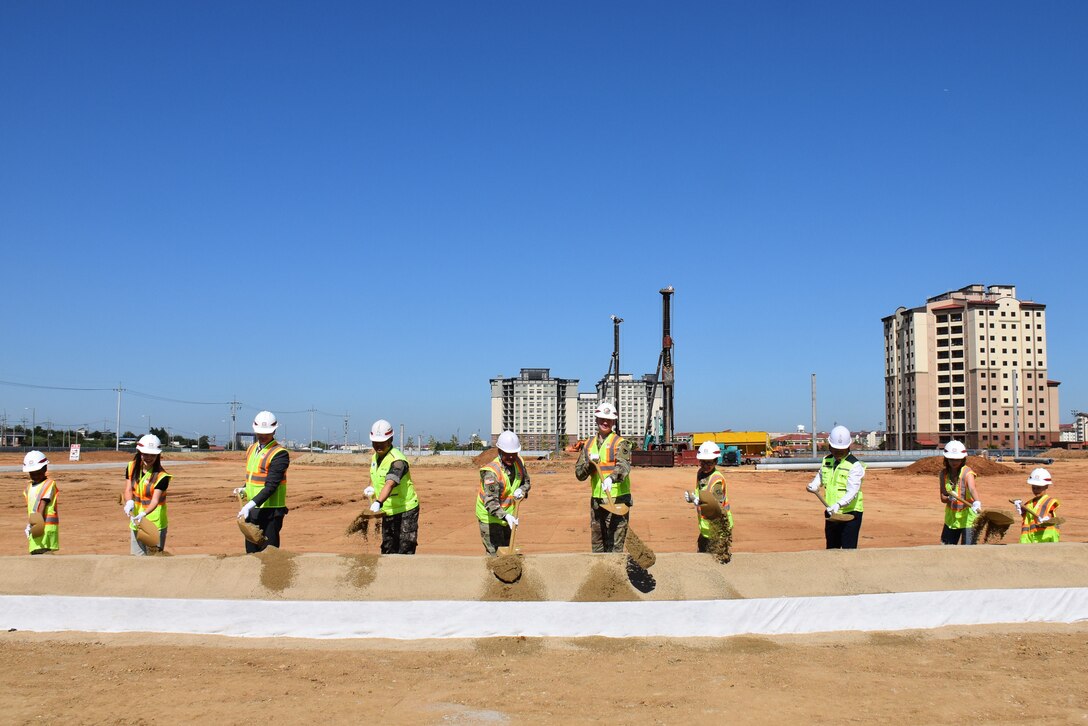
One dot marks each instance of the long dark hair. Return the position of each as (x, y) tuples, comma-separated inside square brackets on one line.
[(948, 468), (138, 466)]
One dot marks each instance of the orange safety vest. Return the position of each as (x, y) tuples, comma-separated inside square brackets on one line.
[(1045, 506)]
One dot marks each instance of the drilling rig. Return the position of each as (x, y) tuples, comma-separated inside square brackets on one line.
[(660, 436)]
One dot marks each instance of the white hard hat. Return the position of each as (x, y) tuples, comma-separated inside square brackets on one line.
[(265, 423), (508, 442), (1039, 477), (149, 444), (382, 430), (33, 461), (955, 450), (708, 451), (839, 438), (606, 410)]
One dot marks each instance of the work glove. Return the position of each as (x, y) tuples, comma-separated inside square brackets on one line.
[(28, 531), (1019, 504), (246, 509), (606, 485), (369, 492), (1044, 519), (129, 506), (511, 521), (833, 509), (137, 519), (594, 458), (689, 498), (239, 491), (976, 506), (519, 493), (375, 507), (813, 486)]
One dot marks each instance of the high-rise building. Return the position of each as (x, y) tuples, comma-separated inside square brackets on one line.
[(541, 410), (953, 366), (634, 402)]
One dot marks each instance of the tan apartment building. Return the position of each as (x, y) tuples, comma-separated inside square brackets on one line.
[(540, 409), (953, 365)]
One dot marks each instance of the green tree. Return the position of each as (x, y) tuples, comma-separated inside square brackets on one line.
[(203, 443)]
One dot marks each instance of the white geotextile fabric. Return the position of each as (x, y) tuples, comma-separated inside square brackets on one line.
[(419, 619)]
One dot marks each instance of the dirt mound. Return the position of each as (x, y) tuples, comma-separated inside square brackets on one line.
[(485, 456), (1065, 454), (277, 568), (983, 467), (605, 583)]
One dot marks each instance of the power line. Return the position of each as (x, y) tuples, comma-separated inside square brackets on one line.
[(52, 388)]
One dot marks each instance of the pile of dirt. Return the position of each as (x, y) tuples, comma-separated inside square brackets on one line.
[(361, 524), (991, 526), (505, 567), (604, 583), (277, 568), (485, 456), (1057, 454), (363, 570), (932, 466), (640, 553)]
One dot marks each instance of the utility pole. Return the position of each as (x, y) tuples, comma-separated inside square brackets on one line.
[(813, 415), (234, 404), (117, 439), (311, 444), (346, 417)]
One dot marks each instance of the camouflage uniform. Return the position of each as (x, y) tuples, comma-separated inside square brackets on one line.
[(495, 535), (400, 533), (607, 531)]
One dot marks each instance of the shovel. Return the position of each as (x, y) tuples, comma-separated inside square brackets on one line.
[(837, 517), (37, 524), (509, 549), (709, 506), (608, 505), (1052, 522)]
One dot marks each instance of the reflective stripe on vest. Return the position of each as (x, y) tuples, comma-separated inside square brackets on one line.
[(257, 461), (35, 493), (143, 489), (607, 451), (1045, 506), (403, 497), (834, 479), (506, 499)]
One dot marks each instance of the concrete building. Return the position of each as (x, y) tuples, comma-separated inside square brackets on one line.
[(541, 410), (587, 423), (634, 403), (952, 366), (1080, 426)]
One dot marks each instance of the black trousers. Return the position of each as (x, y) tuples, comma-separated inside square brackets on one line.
[(843, 535), (270, 520)]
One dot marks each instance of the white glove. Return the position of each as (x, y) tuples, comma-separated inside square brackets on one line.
[(606, 485), (594, 457), (129, 506), (368, 492), (511, 521), (238, 491), (813, 486), (246, 509), (375, 507), (28, 531), (1019, 506), (137, 519), (519, 493), (976, 507), (1043, 519), (687, 497), (833, 509)]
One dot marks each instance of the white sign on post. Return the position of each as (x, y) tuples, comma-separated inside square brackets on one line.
[(73, 455)]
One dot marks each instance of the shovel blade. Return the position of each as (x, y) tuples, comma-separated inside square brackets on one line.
[(615, 508)]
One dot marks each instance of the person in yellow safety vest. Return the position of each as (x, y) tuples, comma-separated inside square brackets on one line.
[(145, 492), (41, 499), (606, 461), (266, 482), (503, 483), (958, 490), (840, 475), (1037, 515), (709, 478), (393, 493)]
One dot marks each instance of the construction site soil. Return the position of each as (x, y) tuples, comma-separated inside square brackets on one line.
[(906, 676)]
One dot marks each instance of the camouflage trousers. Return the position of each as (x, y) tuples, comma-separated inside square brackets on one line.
[(494, 536), (607, 531), (400, 533)]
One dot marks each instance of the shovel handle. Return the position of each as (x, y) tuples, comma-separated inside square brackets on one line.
[(514, 530), (1029, 510)]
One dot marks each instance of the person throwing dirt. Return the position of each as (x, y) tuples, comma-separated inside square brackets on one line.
[(392, 493), (840, 475), (266, 482), (708, 478), (1038, 514), (41, 505), (958, 492), (606, 461), (145, 492), (503, 484)]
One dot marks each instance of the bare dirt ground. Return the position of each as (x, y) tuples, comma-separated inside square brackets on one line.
[(772, 511), (1005, 674)]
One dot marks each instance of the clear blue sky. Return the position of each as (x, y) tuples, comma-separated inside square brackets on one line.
[(374, 208)]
